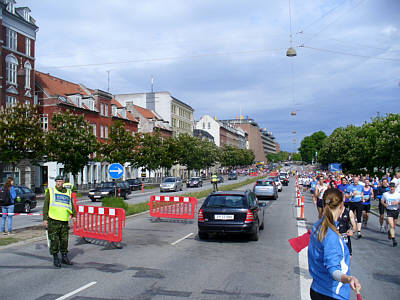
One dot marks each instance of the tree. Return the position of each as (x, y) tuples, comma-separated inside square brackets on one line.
[(21, 134), (310, 145), (169, 156), (188, 151), (70, 141), (208, 154), (120, 148), (149, 151)]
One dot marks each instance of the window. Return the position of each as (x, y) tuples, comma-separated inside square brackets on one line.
[(106, 110), (26, 15), (44, 119), (36, 99), (209, 125), (10, 7), (28, 46), (114, 110), (106, 132), (204, 125), (11, 66), (101, 131), (27, 102), (102, 109), (11, 39), (11, 101), (28, 69), (95, 130)]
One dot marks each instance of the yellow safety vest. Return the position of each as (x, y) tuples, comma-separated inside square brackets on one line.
[(60, 207), (214, 178)]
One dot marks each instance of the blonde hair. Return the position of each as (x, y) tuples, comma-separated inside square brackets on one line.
[(332, 198)]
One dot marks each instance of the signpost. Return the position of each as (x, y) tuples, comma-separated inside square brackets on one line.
[(116, 171)]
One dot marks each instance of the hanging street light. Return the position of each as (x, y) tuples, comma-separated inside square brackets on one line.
[(291, 52)]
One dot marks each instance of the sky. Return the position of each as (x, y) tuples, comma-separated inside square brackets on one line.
[(228, 57)]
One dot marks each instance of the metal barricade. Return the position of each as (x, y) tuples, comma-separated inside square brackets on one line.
[(102, 223), (173, 207)]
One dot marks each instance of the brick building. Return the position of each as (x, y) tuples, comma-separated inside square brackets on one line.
[(99, 108)]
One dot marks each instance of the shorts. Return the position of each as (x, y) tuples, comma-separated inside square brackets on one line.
[(357, 207), (312, 192), (381, 209), (366, 207), (317, 296), (347, 204), (392, 214), (320, 203)]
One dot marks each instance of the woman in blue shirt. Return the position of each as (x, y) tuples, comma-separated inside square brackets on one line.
[(7, 211), (328, 255)]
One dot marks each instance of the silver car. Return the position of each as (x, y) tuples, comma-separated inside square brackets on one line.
[(266, 188), (171, 184)]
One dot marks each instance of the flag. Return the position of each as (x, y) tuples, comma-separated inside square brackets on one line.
[(300, 242)]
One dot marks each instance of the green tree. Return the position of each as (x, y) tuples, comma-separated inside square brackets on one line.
[(310, 145), (70, 141), (169, 155), (21, 134), (188, 151)]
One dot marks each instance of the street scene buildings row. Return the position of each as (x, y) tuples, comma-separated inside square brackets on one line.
[(140, 112)]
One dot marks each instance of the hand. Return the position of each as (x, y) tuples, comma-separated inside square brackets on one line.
[(45, 223), (355, 284), (350, 232)]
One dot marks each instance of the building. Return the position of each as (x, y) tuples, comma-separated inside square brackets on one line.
[(278, 147), (254, 136), (203, 135), (99, 108), (17, 62), (224, 133), (169, 108), (268, 141)]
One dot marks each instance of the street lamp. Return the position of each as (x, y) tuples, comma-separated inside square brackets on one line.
[(291, 52)]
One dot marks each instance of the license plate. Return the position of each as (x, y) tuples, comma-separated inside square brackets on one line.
[(224, 217)]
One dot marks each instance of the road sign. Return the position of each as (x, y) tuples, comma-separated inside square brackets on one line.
[(116, 171)]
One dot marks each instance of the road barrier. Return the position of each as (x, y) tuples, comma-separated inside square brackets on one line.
[(173, 207), (102, 223), (302, 210)]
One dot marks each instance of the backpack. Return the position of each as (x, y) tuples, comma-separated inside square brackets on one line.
[(5, 198)]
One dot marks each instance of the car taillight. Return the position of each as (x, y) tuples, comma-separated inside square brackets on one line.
[(119, 192), (249, 217), (201, 217)]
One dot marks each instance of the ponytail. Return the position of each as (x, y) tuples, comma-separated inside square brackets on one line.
[(332, 199)]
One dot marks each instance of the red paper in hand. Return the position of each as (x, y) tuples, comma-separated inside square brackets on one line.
[(300, 242)]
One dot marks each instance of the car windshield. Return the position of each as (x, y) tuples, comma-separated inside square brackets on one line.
[(107, 185), (195, 178), (264, 183), (230, 201), (169, 179)]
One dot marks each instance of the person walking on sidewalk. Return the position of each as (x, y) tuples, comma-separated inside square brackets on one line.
[(7, 205), (214, 181), (328, 255), (391, 201), (57, 210)]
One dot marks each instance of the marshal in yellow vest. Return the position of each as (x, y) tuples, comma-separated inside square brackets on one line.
[(60, 207)]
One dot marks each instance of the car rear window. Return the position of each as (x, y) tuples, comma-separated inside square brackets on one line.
[(231, 201), (169, 179), (264, 183), (107, 185)]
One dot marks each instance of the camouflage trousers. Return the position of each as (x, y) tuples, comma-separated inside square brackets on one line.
[(58, 236)]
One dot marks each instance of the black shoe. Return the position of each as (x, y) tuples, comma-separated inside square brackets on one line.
[(394, 243), (56, 261), (65, 260)]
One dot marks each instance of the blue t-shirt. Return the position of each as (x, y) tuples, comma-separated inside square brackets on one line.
[(367, 196), (343, 188), (357, 192), (313, 184)]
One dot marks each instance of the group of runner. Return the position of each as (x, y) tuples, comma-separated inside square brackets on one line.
[(358, 192)]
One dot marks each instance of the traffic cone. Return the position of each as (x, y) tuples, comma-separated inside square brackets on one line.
[(142, 188), (302, 210)]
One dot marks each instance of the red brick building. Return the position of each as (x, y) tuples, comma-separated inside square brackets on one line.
[(99, 108)]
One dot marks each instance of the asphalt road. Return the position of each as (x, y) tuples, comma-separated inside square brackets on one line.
[(158, 262), (134, 197)]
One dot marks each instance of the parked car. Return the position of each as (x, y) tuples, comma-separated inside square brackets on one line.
[(220, 178), (232, 176), (265, 188), (284, 180), (107, 189), (171, 184), (194, 182), (26, 199), (278, 182), (135, 184), (231, 212)]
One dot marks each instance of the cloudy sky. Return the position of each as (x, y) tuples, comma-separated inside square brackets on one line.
[(228, 56)]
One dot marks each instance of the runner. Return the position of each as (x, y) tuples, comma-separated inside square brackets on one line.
[(320, 189), (346, 226), (368, 195), (396, 181), (313, 184), (381, 190), (391, 201), (356, 194), (343, 187)]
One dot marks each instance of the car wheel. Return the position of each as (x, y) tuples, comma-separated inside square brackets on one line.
[(181, 188), (27, 207), (254, 236), (93, 200), (160, 191), (203, 235)]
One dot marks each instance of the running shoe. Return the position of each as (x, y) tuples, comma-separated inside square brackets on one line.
[(394, 243), (4, 233), (359, 236), (382, 229)]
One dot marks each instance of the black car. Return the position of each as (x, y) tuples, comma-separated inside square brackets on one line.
[(26, 199), (135, 184), (194, 182), (232, 176), (108, 189), (231, 212)]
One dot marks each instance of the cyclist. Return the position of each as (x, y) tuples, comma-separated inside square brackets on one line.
[(356, 194), (381, 190), (391, 201), (368, 195), (320, 189)]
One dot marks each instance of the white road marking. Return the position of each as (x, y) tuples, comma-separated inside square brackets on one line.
[(305, 282), (185, 237), (77, 291)]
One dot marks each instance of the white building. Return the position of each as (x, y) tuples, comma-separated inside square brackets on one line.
[(209, 124)]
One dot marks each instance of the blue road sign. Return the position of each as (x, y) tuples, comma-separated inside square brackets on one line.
[(116, 171)]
